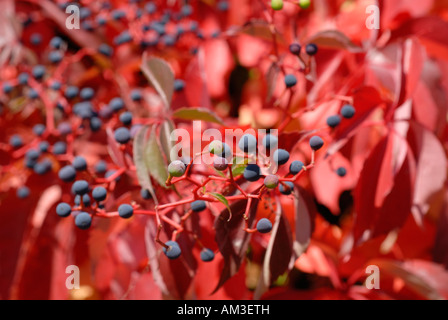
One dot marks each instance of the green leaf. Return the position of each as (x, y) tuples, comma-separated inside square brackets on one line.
[(154, 159), (197, 114), (140, 161), (223, 200), (161, 76)]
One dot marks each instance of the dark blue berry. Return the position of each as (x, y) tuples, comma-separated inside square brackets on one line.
[(80, 187), (83, 220), (44, 146), (56, 42), (281, 156), (23, 192), (55, 57), (264, 225), (36, 39), (116, 104), (60, 147), (179, 85), (71, 92), (55, 85), (198, 206), (79, 163), (106, 50), (118, 14), (86, 200), (145, 194), (16, 141), (100, 167), (23, 78), (290, 80), (207, 255), (87, 94), (223, 5), (220, 163), (63, 209), (311, 49), (333, 121), (67, 173), (295, 48), (150, 7), (39, 129), (252, 173), (64, 128), (83, 110), (341, 171), (286, 187), (43, 167), (173, 251), (125, 211), (33, 94), (122, 135), (99, 194), (136, 95), (296, 167), (126, 118), (95, 123), (348, 111), (316, 143), (32, 154), (39, 72), (248, 143), (7, 87)]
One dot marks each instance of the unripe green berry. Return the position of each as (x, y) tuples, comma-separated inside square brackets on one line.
[(176, 168), (304, 4), (271, 181), (277, 4)]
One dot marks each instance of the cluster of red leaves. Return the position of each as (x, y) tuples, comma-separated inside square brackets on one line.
[(390, 210)]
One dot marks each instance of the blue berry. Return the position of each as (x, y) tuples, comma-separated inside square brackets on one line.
[(106, 50), (7, 87), (23, 78), (281, 156), (286, 187), (36, 39), (126, 118), (100, 167), (83, 220), (64, 128), (316, 143), (296, 167), (264, 225), (341, 171), (179, 85), (116, 104), (63, 209), (84, 110), (110, 173), (252, 173), (56, 85), (79, 163), (176, 168), (125, 211), (77, 200), (311, 49), (136, 95), (145, 194), (71, 92), (84, 12), (33, 94), (60, 147), (223, 5), (39, 129), (198, 206), (95, 124), (67, 173), (122, 135), (290, 80), (32, 154), (56, 42), (23, 192), (86, 200), (248, 143), (43, 167), (99, 194), (80, 187), (173, 251), (186, 10), (87, 94), (295, 48), (16, 141), (44, 146), (39, 72), (150, 7), (55, 57), (348, 111), (333, 121), (118, 14), (207, 255)]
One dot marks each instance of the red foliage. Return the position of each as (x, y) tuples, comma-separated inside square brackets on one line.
[(389, 209)]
